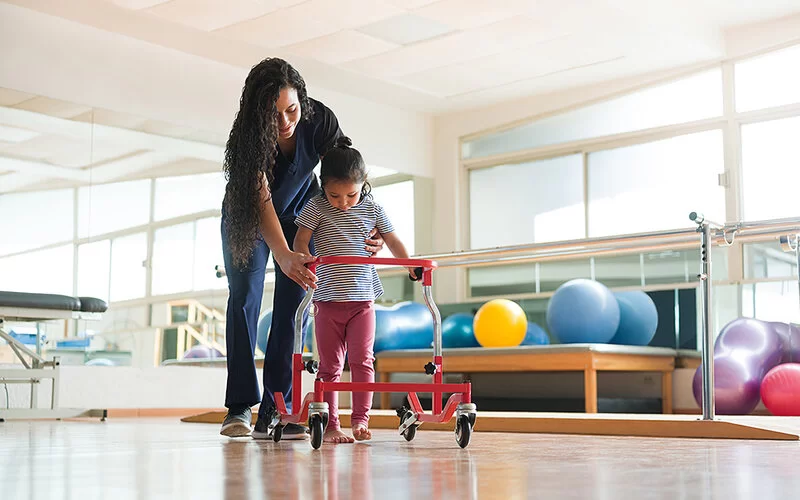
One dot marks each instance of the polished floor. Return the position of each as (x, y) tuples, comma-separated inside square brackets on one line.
[(163, 458)]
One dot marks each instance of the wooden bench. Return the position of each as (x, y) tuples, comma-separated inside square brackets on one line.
[(586, 358)]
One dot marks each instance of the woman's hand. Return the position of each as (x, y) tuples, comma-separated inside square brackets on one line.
[(293, 265), (374, 242)]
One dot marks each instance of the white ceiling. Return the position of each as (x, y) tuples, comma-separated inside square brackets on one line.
[(436, 56), (47, 143), (465, 52)]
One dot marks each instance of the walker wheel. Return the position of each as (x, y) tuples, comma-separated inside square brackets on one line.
[(463, 430), (277, 433), (410, 433), (315, 425)]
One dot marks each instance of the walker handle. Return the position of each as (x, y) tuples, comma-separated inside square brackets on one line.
[(424, 267)]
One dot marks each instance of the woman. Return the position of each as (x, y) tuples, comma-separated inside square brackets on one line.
[(277, 138)]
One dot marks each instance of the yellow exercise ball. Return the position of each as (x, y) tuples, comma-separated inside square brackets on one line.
[(500, 323)]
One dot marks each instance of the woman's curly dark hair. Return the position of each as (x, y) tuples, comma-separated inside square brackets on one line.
[(252, 149)]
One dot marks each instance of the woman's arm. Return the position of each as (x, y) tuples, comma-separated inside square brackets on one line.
[(302, 239), (293, 264)]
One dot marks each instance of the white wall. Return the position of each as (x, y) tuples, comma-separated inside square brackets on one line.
[(124, 387), (53, 57)]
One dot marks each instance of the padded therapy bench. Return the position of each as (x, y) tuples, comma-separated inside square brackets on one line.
[(36, 308)]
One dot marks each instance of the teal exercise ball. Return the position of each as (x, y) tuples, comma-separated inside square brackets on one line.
[(457, 331)]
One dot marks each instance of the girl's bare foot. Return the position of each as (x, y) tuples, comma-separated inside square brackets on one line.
[(361, 432), (336, 436)]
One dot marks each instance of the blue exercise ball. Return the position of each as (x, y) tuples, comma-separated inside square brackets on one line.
[(100, 362), (583, 311), (264, 326), (638, 319), (407, 325), (457, 331), (535, 335)]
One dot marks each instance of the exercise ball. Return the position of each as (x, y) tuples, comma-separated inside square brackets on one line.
[(264, 324), (583, 311), (780, 390), (752, 339), (790, 337), (457, 331), (737, 387), (500, 323), (406, 325), (202, 352), (638, 319), (745, 350), (100, 362), (535, 335)]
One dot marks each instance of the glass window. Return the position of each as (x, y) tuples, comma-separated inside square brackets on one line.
[(670, 266), (173, 259), (776, 301), (207, 254), (187, 194), (532, 202), (554, 274), (398, 201), (35, 219), (770, 171), (105, 208), (128, 274), (43, 271), (94, 269), (769, 80), (689, 99), (768, 260), (624, 270), (396, 289), (502, 280), (654, 186)]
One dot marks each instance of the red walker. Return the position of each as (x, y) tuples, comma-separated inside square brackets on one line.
[(315, 410)]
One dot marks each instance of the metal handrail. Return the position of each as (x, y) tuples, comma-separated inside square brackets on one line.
[(721, 234)]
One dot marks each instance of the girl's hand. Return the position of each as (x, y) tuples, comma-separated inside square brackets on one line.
[(293, 265), (374, 242), (415, 273)]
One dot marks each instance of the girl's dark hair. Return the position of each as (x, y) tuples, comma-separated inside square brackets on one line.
[(344, 163), (252, 149)]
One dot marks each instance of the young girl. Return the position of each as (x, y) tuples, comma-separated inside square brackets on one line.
[(339, 219)]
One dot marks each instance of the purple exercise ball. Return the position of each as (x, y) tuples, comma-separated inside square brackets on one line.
[(790, 337), (753, 337), (737, 388), (745, 350), (202, 352)]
